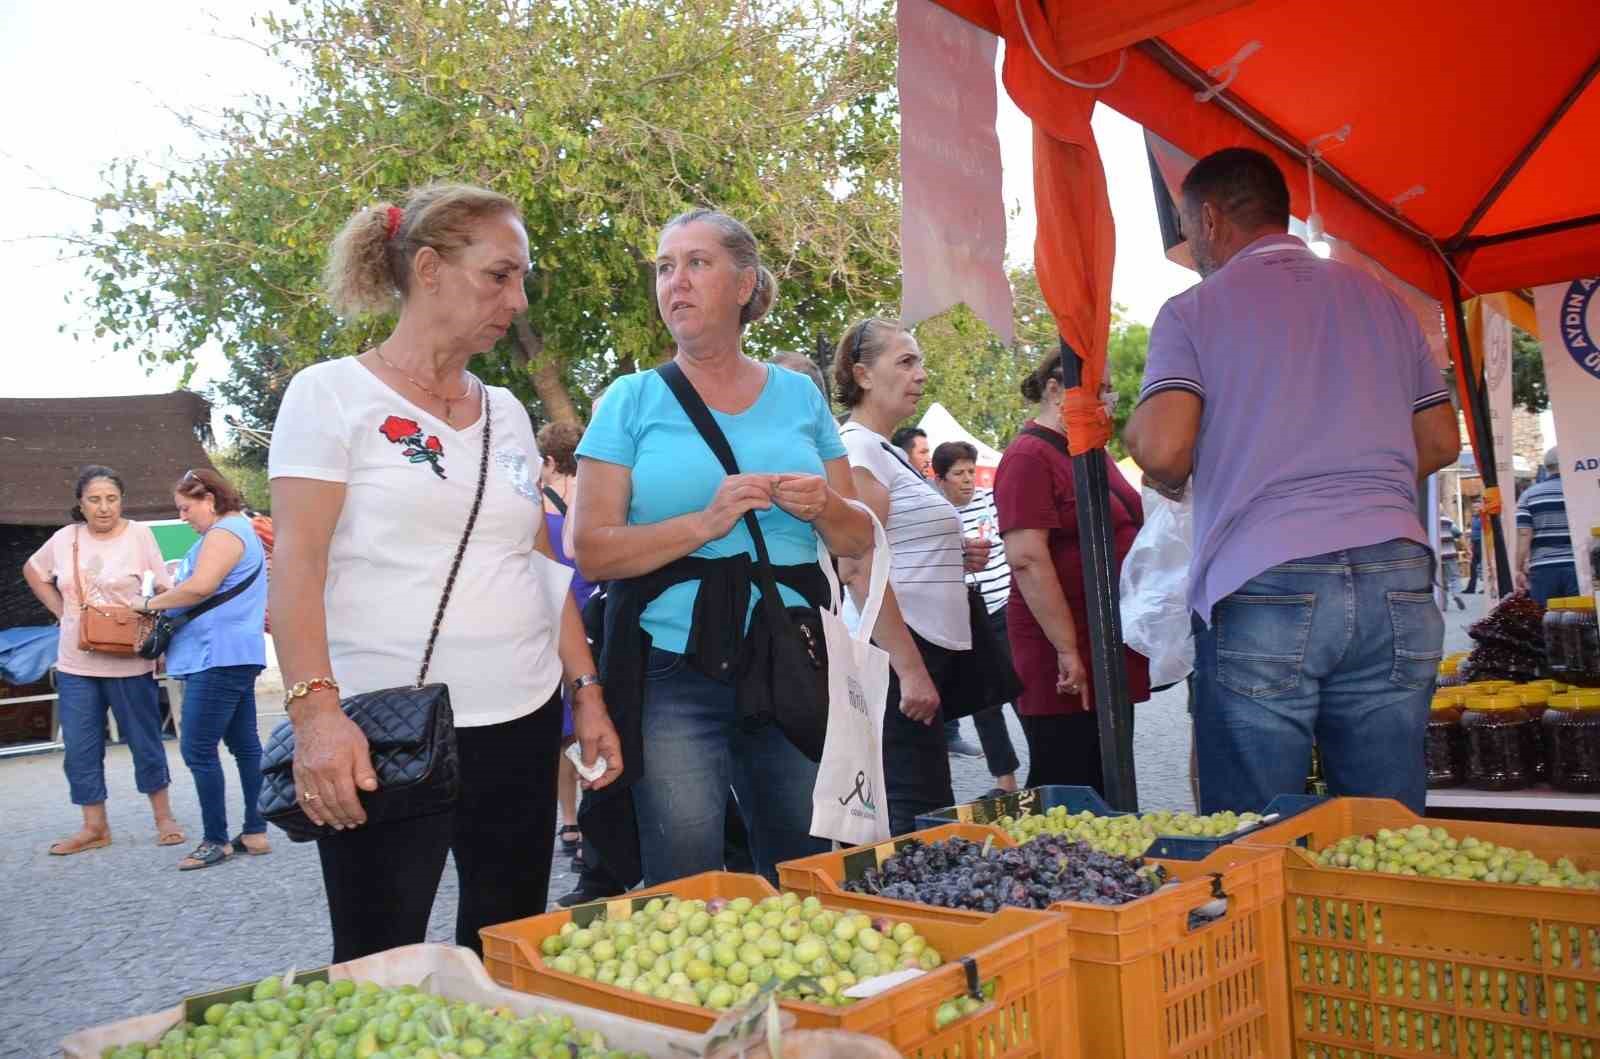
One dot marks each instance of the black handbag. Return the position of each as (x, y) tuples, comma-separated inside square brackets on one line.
[(410, 732), (159, 636), (784, 679)]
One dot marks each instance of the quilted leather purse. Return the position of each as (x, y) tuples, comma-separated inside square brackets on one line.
[(410, 732), (103, 628)]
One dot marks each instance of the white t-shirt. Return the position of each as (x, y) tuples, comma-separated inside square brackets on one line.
[(924, 531), (410, 480)]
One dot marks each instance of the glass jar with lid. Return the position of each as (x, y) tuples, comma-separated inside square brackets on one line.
[(1535, 701), (1496, 731), (1572, 736), (1445, 743), (1557, 642), (1583, 642), (1449, 673)]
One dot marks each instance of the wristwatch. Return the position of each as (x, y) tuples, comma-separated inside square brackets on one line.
[(585, 681)]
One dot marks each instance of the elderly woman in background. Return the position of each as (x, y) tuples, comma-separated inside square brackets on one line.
[(658, 516), (1046, 618), (557, 470), (99, 559), (218, 656), (926, 621), (375, 470)]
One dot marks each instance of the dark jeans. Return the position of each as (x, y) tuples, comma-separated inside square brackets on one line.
[(1477, 565), (1064, 748), (1341, 649), (916, 764), (381, 878), (696, 749), (136, 704), (219, 705), (1550, 582)]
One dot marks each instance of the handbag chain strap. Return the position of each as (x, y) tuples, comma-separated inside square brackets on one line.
[(461, 549)]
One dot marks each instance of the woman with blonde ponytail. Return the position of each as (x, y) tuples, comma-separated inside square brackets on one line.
[(375, 467)]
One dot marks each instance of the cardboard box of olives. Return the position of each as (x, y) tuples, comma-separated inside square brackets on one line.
[(442, 970)]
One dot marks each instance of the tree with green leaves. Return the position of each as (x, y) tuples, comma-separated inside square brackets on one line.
[(1528, 388), (601, 118)]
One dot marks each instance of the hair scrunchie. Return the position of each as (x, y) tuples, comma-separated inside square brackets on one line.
[(395, 217)]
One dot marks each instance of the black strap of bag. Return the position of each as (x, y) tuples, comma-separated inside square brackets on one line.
[(410, 730), (556, 501), (802, 711), (166, 626)]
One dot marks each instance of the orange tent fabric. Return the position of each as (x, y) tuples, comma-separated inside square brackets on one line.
[(1481, 122)]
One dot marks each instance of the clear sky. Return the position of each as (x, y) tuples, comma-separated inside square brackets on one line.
[(91, 81)]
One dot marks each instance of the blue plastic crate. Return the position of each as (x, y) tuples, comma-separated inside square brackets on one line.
[(1078, 799)]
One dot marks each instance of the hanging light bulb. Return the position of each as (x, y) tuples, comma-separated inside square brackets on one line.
[(1316, 236)]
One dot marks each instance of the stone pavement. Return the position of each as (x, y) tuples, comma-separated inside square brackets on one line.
[(119, 931)]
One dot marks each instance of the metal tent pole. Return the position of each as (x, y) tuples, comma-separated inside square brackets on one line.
[(1104, 614), (1477, 402)]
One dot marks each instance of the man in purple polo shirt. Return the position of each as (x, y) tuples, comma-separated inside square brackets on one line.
[(1300, 396)]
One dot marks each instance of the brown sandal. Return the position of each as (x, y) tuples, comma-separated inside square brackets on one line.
[(78, 844), (169, 833), (241, 846)]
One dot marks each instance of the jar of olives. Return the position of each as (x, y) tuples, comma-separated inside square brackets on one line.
[(1535, 700), (1583, 642), (1449, 673), (1572, 737), (1445, 744), (1556, 640), (1497, 738)]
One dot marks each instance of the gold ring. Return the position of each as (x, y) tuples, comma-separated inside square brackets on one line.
[(310, 797)]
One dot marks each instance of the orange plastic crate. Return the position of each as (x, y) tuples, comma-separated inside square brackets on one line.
[(1024, 953), (1149, 985), (1390, 965)]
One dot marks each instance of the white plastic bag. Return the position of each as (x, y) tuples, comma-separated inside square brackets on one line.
[(848, 803), (1155, 589)]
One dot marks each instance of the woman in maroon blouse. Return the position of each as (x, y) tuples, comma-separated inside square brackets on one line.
[(1034, 493)]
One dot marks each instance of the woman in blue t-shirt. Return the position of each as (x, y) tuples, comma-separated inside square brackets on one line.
[(218, 656), (651, 495)]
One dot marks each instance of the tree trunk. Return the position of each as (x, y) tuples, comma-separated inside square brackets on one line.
[(545, 372)]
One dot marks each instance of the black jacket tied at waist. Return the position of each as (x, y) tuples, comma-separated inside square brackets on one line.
[(716, 648)]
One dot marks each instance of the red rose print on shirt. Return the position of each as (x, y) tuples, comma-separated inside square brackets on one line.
[(408, 432)]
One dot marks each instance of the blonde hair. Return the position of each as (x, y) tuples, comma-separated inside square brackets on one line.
[(369, 264), (863, 343), (740, 243)]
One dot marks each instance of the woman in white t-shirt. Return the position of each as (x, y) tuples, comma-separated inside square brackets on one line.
[(925, 623), (375, 466)]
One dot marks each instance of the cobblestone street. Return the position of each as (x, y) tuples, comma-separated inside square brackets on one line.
[(119, 931)]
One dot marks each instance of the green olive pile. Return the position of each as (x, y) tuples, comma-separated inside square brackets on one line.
[(1123, 836), (717, 954), (359, 1020), (1436, 854)]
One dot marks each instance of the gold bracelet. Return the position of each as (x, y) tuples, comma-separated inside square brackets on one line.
[(306, 687)]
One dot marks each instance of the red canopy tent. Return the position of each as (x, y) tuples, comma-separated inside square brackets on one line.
[(1492, 112)]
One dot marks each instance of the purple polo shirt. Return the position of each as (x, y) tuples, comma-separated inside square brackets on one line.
[(1310, 372)]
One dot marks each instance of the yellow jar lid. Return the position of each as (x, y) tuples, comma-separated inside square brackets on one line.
[(1446, 702), (1585, 700), (1487, 687), (1493, 703), (1556, 603), (1566, 701), (1449, 667), (1531, 696), (1580, 603)]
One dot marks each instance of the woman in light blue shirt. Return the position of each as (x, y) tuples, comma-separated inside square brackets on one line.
[(657, 517), (218, 656)]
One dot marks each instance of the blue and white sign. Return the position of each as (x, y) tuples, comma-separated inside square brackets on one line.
[(1569, 331)]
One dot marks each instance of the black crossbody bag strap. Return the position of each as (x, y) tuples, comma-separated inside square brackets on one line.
[(217, 600), (695, 408)]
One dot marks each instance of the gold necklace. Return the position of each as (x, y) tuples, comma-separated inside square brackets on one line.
[(446, 398)]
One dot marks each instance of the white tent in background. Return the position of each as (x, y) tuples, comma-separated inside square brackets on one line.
[(941, 426)]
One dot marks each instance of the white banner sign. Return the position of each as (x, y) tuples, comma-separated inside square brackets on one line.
[(952, 214), (1569, 331), (1497, 381)]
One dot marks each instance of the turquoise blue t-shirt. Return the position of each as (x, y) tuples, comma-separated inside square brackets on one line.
[(641, 426)]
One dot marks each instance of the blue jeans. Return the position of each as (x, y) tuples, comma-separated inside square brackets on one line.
[(1549, 582), (136, 704), (219, 705), (695, 750), (1342, 647)]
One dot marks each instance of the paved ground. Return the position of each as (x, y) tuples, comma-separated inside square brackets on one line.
[(115, 932)]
